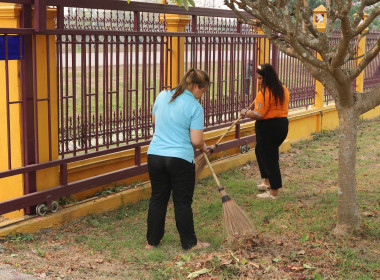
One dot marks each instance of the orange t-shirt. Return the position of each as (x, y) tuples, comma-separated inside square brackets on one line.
[(267, 109)]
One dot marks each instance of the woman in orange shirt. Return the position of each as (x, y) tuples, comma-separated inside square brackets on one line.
[(271, 115)]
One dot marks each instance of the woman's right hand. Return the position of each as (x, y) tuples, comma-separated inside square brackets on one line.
[(204, 148)]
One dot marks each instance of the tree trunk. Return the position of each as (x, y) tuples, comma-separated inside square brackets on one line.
[(348, 211)]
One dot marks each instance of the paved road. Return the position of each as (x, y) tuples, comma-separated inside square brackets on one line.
[(9, 273)]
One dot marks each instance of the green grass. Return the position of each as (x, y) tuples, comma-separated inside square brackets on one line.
[(294, 232)]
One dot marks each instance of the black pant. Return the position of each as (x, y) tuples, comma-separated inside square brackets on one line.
[(170, 174), (270, 134)]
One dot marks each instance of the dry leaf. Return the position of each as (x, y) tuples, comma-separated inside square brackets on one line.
[(254, 264)]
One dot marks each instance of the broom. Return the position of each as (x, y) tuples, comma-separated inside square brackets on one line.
[(235, 220), (200, 161), (232, 125)]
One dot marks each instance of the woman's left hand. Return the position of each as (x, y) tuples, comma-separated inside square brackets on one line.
[(242, 113)]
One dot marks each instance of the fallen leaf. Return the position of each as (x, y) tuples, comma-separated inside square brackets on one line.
[(199, 272), (254, 264), (296, 268)]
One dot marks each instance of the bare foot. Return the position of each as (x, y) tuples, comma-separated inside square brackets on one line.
[(201, 245), (148, 247)]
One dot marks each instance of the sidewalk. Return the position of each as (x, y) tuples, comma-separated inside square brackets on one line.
[(9, 273)]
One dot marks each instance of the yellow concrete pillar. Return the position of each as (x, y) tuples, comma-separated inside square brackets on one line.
[(319, 20), (10, 187), (361, 51), (175, 23), (46, 54), (264, 48), (13, 187)]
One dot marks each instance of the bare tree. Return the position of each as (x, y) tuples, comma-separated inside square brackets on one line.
[(282, 22), (288, 24)]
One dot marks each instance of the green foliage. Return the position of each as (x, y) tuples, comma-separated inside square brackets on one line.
[(21, 237)]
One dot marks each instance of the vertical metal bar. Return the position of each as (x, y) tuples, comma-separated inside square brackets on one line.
[(125, 91), (27, 104), (40, 15), (117, 117), (110, 88), (90, 93), (170, 48), (48, 97), (105, 90), (60, 17), (137, 52), (83, 113), (60, 92), (74, 95), (35, 96), (97, 92), (63, 174), (66, 117), (237, 131), (138, 155), (143, 89), (275, 57)]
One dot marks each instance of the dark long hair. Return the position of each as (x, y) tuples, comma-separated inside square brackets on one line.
[(272, 82), (192, 76)]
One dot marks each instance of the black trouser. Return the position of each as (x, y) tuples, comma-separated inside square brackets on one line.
[(270, 134), (170, 174)]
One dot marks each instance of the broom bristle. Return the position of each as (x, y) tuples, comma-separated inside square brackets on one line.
[(236, 222), (200, 163)]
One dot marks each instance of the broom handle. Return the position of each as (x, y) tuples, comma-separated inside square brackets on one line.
[(235, 122), (211, 169)]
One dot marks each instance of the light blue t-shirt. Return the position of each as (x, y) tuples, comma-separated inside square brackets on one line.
[(173, 122)]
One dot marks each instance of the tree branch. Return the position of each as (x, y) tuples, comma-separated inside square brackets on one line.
[(368, 57), (345, 38), (367, 101), (367, 22)]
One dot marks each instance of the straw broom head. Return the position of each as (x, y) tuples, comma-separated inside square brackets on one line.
[(236, 222)]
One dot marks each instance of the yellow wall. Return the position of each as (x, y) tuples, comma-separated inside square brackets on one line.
[(47, 178), (11, 187)]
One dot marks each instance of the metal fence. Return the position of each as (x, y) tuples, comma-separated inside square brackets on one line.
[(109, 65), (372, 71)]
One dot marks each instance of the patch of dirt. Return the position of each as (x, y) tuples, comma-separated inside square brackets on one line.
[(61, 259)]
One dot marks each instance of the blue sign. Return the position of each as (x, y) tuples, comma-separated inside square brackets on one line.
[(14, 45)]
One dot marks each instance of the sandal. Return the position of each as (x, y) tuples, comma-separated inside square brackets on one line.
[(263, 187), (266, 195), (201, 245)]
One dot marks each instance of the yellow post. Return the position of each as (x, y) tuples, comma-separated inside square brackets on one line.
[(175, 23), (13, 187), (361, 51), (46, 54), (319, 20), (263, 54), (264, 48)]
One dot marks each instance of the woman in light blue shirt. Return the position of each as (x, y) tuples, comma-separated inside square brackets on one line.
[(178, 117)]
